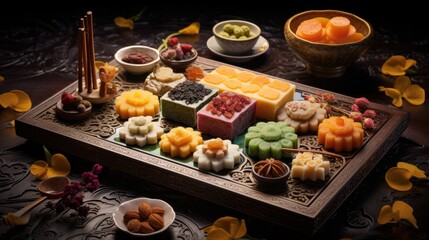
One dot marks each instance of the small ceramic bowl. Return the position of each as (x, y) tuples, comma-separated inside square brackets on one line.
[(179, 65), (236, 46), (137, 68), (326, 59), (270, 182), (132, 205)]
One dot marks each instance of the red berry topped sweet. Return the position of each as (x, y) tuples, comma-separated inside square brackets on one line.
[(227, 103), (74, 103), (177, 50)]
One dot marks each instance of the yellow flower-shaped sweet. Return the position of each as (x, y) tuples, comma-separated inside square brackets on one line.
[(17, 100), (397, 65), (192, 29), (226, 228), (55, 165), (402, 88), (398, 177), (128, 22), (136, 102), (180, 141), (398, 211)]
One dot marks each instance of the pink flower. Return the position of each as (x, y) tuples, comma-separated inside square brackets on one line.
[(368, 123), (355, 108), (362, 102), (369, 113), (356, 116)]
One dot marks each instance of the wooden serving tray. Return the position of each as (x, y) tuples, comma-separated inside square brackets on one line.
[(302, 206)]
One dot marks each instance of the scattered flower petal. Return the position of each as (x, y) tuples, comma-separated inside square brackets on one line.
[(57, 166), (397, 65), (405, 212), (402, 83), (24, 101), (414, 170), (393, 93), (192, 29), (8, 99), (226, 228), (1, 78), (399, 179), (386, 215), (124, 22), (415, 95)]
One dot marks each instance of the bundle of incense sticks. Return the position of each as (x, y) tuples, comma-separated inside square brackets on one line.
[(86, 55)]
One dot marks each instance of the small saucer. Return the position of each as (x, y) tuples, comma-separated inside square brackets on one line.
[(260, 48), (71, 115)]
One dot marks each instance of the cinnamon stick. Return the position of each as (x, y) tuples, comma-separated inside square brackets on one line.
[(91, 49), (80, 59), (88, 74)]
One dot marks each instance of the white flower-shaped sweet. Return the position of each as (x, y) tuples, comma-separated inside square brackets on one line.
[(140, 131), (217, 154)]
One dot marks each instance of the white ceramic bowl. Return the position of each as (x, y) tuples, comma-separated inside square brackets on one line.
[(118, 214), (236, 46), (137, 68)]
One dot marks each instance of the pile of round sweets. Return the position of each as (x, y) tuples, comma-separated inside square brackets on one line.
[(232, 31), (74, 103)]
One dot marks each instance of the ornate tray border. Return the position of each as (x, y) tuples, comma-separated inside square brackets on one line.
[(306, 218)]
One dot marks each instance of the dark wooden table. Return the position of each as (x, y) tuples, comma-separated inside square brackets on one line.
[(38, 54)]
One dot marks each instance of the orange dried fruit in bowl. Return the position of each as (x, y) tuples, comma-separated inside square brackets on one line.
[(310, 30), (339, 27)]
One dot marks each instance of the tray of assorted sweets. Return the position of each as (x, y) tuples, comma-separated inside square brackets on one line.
[(275, 149)]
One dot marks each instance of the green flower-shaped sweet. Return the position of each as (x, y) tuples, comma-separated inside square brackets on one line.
[(266, 140)]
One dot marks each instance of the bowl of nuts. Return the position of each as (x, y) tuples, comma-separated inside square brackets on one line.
[(144, 216), (271, 173)]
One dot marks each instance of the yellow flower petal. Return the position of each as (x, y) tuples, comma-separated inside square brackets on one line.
[(8, 99), (39, 169), (24, 101), (415, 95), (124, 22), (386, 214), (402, 83), (397, 65), (192, 29), (218, 234), (60, 166), (398, 179), (393, 93), (239, 231), (1, 78), (414, 170), (405, 212)]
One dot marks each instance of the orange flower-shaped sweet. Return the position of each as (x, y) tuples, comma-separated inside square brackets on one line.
[(226, 228), (397, 65), (402, 88), (340, 133), (136, 102), (398, 211), (55, 165), (180, 141), (399, 177)]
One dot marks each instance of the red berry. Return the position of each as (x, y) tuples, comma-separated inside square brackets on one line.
[(369, 113), (173, 41), (186, 47), (67, 99)]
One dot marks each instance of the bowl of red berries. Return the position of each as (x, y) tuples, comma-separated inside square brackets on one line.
[(178, 56), (72, 107)]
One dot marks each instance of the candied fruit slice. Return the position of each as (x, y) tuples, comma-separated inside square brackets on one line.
[(260, 80), (245, 76), (226, 71), (232, 83), (214, 78), (179, 136), (269, 93), (250, 88), (279, 85)]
